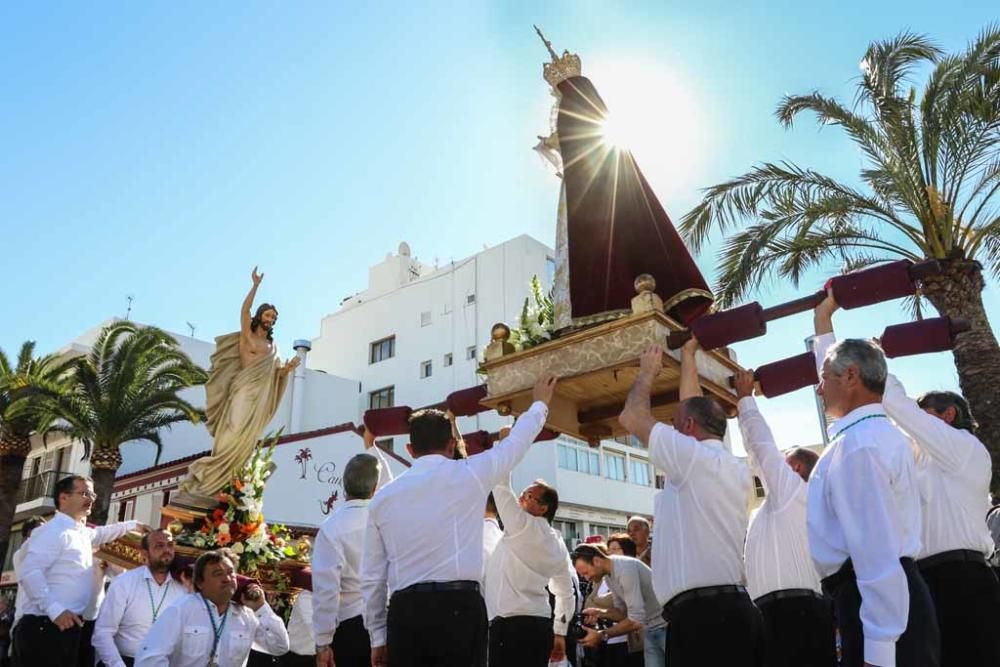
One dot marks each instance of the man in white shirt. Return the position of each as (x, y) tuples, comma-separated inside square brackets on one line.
[(701, 522), (27, 528), (134, 601), (953, 476), (56, 576), (207, 627), (864, 516), (424, 542), (301, 640), (531, 554), (631, 585), (799, 629), (340, 633), (492, 533), (638, 530)]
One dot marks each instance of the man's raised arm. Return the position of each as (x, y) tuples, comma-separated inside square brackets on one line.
[(780, 481), (493, 465)]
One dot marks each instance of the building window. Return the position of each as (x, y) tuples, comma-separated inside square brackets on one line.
[(385, 444), (660, 481), (448, 360), (579, 459), (425, 318), (758, 487), (425, 369), (605, 530), (382, 398), (126, 509), (470, 352), (614, 466), (639, 471), (570, 531), (382, 349), (470, 299)]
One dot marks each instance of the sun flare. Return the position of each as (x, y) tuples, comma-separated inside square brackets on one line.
[(654, 114)]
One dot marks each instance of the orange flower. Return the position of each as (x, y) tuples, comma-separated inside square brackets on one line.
[(222, 539), (249, 528), (238, 485)]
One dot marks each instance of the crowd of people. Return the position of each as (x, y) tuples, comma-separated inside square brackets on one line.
[(877, 552)]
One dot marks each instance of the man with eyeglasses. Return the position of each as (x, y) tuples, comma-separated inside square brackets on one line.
[(55, 575)]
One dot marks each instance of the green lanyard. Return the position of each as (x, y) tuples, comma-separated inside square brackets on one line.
[(855, 423), (152, 605), (216, 630)]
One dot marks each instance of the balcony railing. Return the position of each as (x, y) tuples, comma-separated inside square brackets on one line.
[(39, 486)]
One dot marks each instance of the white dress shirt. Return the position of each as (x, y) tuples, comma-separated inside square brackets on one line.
[(777, 548), (864, 505), (21, 599), (953, 474), (531, 556), (427, 524), (492, 533), (183, 635), (56, 571), (631, 584), (336, 563), (127, 613), (300, 631), (700, 515)]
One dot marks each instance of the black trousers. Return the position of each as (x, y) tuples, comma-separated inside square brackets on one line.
[(437, 629), (129, 662), (920, 643), (295, 660), (39, 642), (258, 659), (525, 641), (351, 646), (725, 629), (966, 597), (799, 632)]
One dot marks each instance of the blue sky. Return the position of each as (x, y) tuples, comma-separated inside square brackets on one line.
[(162, 149)]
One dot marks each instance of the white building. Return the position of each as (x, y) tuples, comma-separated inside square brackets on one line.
[(415, 334)]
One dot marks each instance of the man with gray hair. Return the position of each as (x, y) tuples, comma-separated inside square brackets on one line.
[(863, 513), (953, 475), (340, 633)]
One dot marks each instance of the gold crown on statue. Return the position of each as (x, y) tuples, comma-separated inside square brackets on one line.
[(562, 67)]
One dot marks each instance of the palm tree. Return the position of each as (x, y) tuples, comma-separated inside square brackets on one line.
[(16, 429), (125, 389), (927, 190)]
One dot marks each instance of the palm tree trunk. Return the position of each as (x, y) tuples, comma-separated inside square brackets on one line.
[(11, 468), (957, 292), (104, 463)]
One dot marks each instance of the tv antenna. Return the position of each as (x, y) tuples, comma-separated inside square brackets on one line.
[(128, 311), (191, 327)]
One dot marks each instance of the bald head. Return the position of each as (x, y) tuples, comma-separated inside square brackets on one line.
[(701, 418), (802, 461)]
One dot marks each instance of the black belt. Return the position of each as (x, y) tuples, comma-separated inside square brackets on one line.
[(956, 556), (440, 587), (846, 574), (787, 593), (670, 608)]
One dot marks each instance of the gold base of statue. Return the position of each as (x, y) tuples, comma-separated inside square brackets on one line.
[(596, 368)]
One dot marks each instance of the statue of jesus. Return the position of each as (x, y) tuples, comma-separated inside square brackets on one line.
[(245, 385)]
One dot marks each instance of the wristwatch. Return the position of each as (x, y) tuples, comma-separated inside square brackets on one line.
[(604, 636)]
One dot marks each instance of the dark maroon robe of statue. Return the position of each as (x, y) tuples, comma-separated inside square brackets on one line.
[(617, 228)]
